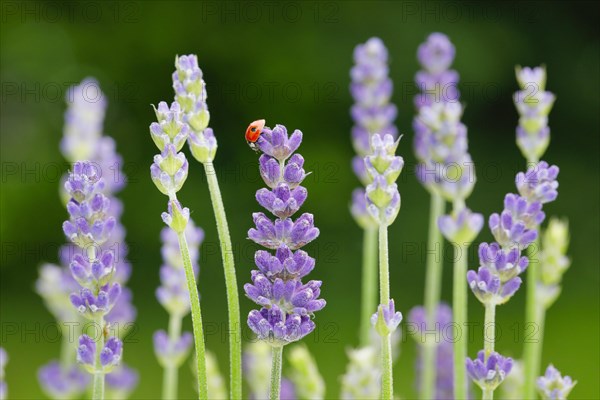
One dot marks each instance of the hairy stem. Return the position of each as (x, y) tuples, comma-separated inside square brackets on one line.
[(277, 352), (489, 329), (387, 379), (433, 289), (98, 385), (459, 306), (369, 284), (233, 302), (170, 374), (196, 317), (532, 348)]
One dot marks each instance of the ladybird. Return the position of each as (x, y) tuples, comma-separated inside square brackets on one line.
[(253, 133)]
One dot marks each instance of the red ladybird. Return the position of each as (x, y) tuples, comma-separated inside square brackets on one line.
[(253, 133)]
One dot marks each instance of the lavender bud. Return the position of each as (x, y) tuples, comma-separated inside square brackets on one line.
[(506, 264), (489, 289), (111, 354), (94, 306), (386, 319), (437, 53), (86, 353), (190, 91), (278, 327), (277, 144), (121, 381), (169, 170), (92, 274), (359, 209), (461, 227), (203, 145), (539, 183), (553, 386), (170, 128), (176, 217), (489, 372)]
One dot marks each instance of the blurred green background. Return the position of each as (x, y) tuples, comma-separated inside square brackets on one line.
[(289, 63)]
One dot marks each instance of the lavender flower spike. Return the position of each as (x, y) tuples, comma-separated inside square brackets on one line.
[(489, 372), (362, 379), (3, 362), (61, 383), (553, 261), (553, 386), (533, 104)]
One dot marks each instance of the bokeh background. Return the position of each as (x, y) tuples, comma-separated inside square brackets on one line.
[(289, 63)]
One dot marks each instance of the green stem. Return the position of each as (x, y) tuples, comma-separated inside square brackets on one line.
[(532, 314), (277, 352), (387, 379), (488, 394), (170, 374), (433, 289), (196, 317), (369, 284), (233, 302), (489, 329), (67, 348), (98, 385), (459, 306)]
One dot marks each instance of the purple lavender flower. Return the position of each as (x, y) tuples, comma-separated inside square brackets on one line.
[(436, 82), (533, 104), (386, 319), (489, 372), (444, 378), (461, 227), (110, 356), (63, 382), (172, 351), (170, 128), (553, 386), (517, 225), (93, 305), (488, 287), (169, 170), (506, 264), (372, 112), (287, 304), (539, 183), (122, 381)]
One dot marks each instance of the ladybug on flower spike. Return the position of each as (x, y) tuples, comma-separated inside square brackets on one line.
[(253, 133)]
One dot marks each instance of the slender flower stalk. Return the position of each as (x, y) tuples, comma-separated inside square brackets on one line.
[(3, 385), (287, 305), (169, 172), (172, 347), (190, 92), (440, 145), (533, 104), (497, 280), (372, 113), (383, 200)]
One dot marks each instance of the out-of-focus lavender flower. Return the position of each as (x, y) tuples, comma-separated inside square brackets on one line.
[(488, 287), (444, 364), (553, 386), (110, 356), (372, 113), (170, 128), (307, 380), (461, 227), (121, 382), (93, 306), (257, 368), (362, 379), (3, 362), (517, 225), (553, 261), (514, 384), (287, 304), (533, 104), (489, 372), (288, 391), (436, 82), (172, 351), (63, 382)]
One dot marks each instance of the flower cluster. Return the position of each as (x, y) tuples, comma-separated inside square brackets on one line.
[(489, 372), (190, 93), (287, 304), (553, 261), (436, 82), (372, 113), (514, 229), (384, 168), (553, 386), (445, 166), (173, 348), (362, 379), (533, 104), (444, 365), (90, 225)]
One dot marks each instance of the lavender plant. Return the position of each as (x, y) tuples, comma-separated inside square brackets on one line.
[(83, 139), (553, 386), (533, 104), (497, 280), (3, 385), (169, 172), (446, 170), (305, 375), (172, 347), (190, 92), (362, 379), (287, 305), (372, 113), (90, 225), (383, 204)]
